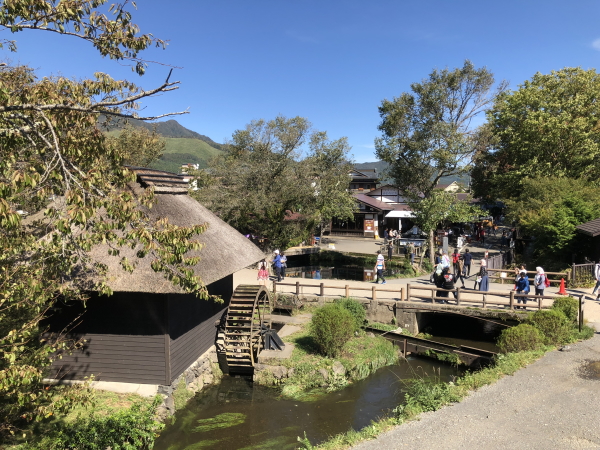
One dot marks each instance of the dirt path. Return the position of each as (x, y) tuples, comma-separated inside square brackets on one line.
[(550, 404)]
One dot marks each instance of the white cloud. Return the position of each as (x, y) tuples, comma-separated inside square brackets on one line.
[(596, 44)]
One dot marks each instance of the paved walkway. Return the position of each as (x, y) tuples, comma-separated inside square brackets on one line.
[(551, 404)]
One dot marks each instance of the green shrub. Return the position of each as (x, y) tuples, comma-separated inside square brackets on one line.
[(553, 324), (129, 429), (356, 309), (331, 327), (569, 306), (523, 337)]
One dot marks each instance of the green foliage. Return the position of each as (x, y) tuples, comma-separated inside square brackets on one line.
[(425, 394), (426, 135), (63, 191), (382, 326), (550, 209), (129, 429), (548, 127), (181, 395), (331, 327), (569, 306), (523, 337), (225, 420), (357, 310), (138, 146), (553, 324), (263, 185)]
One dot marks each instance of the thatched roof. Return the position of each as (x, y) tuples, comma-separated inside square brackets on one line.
[(225, 250), (591, 228)]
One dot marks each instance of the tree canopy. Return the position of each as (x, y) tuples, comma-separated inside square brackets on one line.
[(427, 134), (267, 186), (137, 146), (549, 126), (63, 190)]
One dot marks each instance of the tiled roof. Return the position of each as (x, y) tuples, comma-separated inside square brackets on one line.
[(591, 228)]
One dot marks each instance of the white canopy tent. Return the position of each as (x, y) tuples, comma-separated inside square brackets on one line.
[(399, 214)]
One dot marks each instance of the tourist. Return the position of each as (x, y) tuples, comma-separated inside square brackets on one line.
[(597, 276), (283, 265), (448, 283), (484, 282), (455, 262), (411, 252), (522, 286), (482, 235), (461, 272), (467, 258), (277, 264), (386, 235), (263, 273), (445, 260), (503, 240), (390, 249), (380, 267), (539, 281)]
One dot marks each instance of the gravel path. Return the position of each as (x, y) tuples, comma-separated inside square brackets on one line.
[(551, 404)]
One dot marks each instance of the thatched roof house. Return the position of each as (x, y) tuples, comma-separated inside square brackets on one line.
[(150, 331)]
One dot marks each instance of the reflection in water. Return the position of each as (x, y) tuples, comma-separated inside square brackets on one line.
[(236, 415)]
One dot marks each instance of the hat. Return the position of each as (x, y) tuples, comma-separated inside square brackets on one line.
[(539, 270), (276, 252)]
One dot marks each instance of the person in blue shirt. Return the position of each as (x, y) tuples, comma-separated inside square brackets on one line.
[(467, 259), (277, 264), (522, 286)]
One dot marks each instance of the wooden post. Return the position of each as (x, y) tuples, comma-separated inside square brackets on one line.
[(374, 293), (321, 290), (404, 348), (433, 295), (580, 312), (484, 300), (401, 294), (540, 302), (297, 288), (458, 291), (512, 300), (274, 287), (347, 291), (408, 292)]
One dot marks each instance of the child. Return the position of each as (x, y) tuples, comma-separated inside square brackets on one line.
[(263, 274)]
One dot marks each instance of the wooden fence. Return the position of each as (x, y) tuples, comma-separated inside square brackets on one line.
[(510, 276), (411, 292)]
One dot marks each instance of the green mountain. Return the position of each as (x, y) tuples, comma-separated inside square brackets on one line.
[(183, 146), (382, 166)]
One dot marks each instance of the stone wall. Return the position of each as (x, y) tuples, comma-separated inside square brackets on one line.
[(203, 372)]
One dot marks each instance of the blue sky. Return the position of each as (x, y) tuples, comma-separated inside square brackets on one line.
[(332, 62)]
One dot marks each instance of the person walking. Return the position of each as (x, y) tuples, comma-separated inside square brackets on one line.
[(539, 281), (263, 273), (445, 260), (597, 276), (411, 251), (390, 249), (455, 260), (461, 272), (482, 235), (467, 259), (484, 283), (283, 265), (448, 283), (522, 287), (380, 267), (277, 264)]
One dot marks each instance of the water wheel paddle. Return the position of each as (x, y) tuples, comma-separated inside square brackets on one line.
[(248, 313)]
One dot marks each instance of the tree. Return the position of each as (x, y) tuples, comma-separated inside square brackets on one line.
[(442, 207), (550, 208), (427, 134), (263, 185), (137, 146), (63, 190), (548, 127)]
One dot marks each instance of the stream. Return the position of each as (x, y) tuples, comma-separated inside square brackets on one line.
[(235, 415)]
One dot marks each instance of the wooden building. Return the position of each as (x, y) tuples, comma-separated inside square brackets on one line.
[(150, 331), (592, 229)]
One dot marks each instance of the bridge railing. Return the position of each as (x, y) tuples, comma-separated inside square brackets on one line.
[(419, 293), (485, 299), (496, 274)]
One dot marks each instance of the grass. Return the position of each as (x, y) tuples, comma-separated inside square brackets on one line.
[(361, 356)]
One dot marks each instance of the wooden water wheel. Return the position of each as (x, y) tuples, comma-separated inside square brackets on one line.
[(247, 317)]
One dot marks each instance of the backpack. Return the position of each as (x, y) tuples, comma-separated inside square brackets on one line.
[(546, 281)]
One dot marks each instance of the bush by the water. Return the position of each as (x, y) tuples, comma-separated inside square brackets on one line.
[(568, 305), (356, 309), (553, 324), (523, 337), (129, 429), (331, 327)]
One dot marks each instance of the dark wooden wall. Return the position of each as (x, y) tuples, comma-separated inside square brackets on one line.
[(192, 324), (124, 334)]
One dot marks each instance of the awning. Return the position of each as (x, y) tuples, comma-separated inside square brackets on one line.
[(393, 214)]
